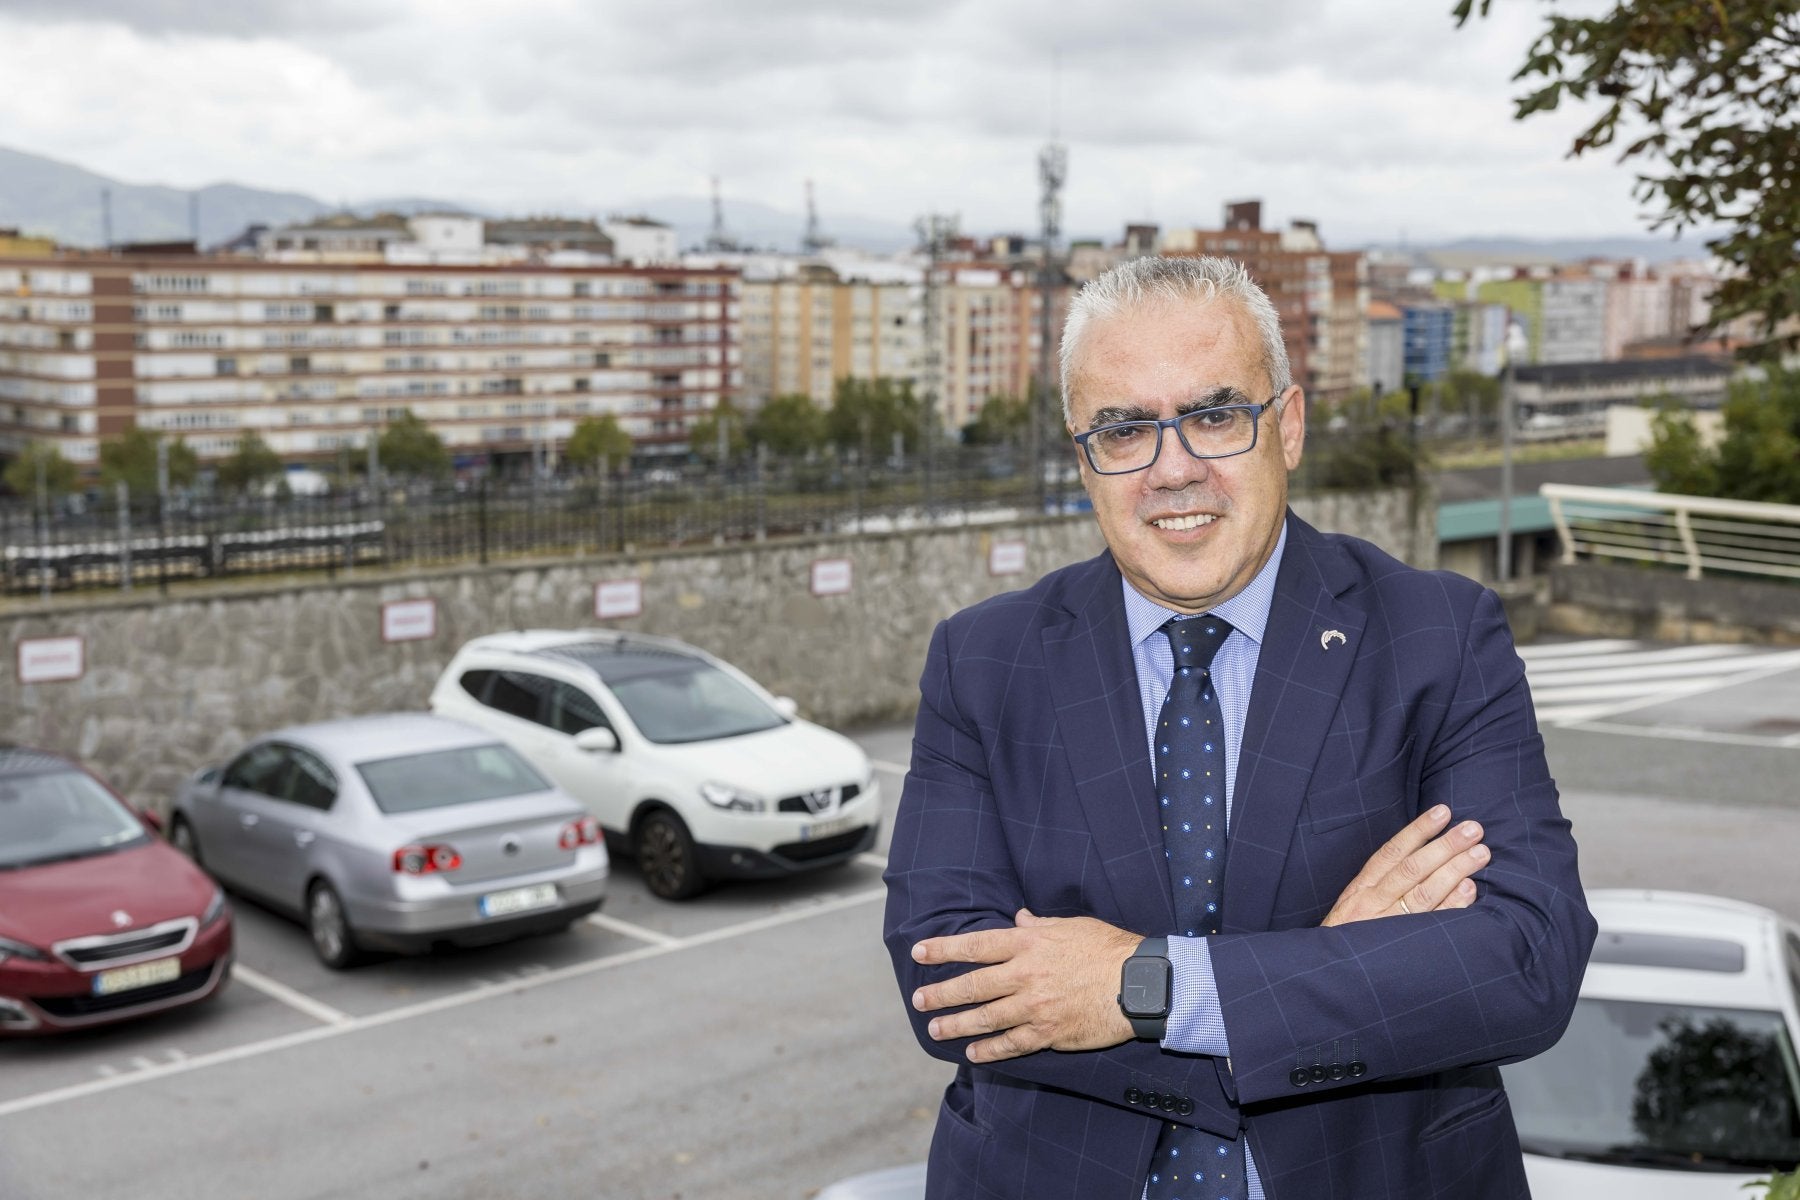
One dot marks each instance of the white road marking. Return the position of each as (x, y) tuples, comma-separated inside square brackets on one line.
[(871, 859), (614, 925), (895, 768), (429, 1007), (1548, 650), (1686, 734), (1585, 683), (299, 1002)]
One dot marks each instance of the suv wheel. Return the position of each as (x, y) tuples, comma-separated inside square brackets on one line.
[(665, 854)]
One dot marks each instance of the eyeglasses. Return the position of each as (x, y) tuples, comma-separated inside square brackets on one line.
[(1217, 432)]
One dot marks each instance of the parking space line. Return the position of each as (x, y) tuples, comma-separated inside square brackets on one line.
[(392, 1016), (881, 765), (323, 1013), (1685, 733), (615, 925), (871, 859)]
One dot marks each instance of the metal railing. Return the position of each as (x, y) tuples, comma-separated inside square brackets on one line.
[(1696, 532)]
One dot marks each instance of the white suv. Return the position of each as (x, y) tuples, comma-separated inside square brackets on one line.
[(684, 759)]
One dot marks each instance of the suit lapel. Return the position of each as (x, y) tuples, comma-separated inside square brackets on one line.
[(1099, 716), (1311, 641)]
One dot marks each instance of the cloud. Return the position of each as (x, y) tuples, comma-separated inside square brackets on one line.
[(233, 18)]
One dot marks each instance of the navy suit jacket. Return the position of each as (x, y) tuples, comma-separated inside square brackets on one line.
[(1362, 1056)]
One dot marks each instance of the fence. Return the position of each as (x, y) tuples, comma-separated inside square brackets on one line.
[(99, 543), (1700, 533)]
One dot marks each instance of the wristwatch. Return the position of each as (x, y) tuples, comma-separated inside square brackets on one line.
[(1144, 985)]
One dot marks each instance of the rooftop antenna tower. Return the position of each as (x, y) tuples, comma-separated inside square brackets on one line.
[(815, 239), (718, 240), (1053, 172)]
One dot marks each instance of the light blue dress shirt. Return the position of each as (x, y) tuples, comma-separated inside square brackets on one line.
[(1196, 1024)]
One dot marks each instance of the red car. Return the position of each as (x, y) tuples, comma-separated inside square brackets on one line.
[(100, 920)]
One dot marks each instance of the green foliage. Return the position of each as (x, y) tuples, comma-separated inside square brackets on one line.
[(1002, 420), (1782, 1186), (409, 448), (1709, 87), (790, 425), (60, 475), (1362, 442), (1758, 456), (1466, 391), (250, 464), (867, 413), (703, 435), (596, 440), (131, 458)]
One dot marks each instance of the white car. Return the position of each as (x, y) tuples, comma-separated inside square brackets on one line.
[(1677, 1078), (681, 757)]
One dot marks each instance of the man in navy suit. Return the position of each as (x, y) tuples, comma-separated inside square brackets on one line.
[(1401, 910)]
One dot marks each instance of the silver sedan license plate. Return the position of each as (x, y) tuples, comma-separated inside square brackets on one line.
[(518, 900), (124, 979)]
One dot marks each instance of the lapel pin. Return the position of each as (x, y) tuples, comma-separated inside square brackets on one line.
[(1330, 636)]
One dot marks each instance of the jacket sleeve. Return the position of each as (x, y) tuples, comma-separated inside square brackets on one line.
[(1411, 995), (951, 870)]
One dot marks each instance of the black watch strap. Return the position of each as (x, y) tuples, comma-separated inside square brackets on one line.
[(1152, 1028)]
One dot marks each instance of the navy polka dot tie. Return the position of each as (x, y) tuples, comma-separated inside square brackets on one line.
[(1190, 795)]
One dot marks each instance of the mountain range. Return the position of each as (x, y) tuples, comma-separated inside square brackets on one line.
[(40, 195)]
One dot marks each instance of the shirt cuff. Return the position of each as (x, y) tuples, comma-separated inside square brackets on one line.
[(1196, 1023)]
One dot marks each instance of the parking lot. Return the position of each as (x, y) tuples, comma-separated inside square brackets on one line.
[(744, 1045)]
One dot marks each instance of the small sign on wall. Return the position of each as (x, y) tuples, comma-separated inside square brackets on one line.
[(51, 659), (615, 598), (830, 576), (1007, 557), (408, 620)]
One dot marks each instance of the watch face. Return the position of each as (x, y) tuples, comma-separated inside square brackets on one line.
[(1144, 990)]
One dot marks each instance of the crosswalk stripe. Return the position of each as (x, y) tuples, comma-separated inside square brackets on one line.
[(1579, 682)]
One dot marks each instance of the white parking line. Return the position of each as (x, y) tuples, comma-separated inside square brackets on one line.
[(871, 859), (896, 768), (429, 1007), (323, 1013), (614, 925)]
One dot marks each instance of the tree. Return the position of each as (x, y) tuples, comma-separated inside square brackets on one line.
[(60, 475), (1758, 455), (597, 440), (1712, 87), (703, 435), (867, 413), (1002, 419), (1469, 393), (409, 448), (790, 424), (131, 458), (251, 463)]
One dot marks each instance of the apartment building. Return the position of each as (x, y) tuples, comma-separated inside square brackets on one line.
[(808, 323), (316, 356)]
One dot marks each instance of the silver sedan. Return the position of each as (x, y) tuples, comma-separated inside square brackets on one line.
[(394, 832)]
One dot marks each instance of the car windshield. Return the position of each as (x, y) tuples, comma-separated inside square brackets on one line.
[(53, 815), (681, 699), (1666, 1085), (441, 778)]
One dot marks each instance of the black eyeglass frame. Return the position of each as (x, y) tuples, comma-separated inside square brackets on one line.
[(1255, 410)]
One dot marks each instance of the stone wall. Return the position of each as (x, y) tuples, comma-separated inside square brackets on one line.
[(174, 682), (1603, 600)]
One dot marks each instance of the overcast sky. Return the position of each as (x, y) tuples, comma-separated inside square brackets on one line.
[(1378, 118)]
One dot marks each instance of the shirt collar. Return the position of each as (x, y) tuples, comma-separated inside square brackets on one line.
[(1248, 611)]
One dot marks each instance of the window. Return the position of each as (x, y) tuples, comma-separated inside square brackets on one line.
[(573, 710), (518, 695), (261, 769), (225, 365), (311, 783), (445, 777)]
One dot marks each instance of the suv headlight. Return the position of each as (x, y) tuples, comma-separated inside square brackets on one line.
[(731, 799), (12, 949)]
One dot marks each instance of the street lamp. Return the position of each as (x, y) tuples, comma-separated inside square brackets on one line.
[(1516, 346)]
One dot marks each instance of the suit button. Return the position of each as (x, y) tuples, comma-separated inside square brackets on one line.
[(1317, 1074), (1299, 1077), (1185, 1108), (1336, 1070), (1358, 1068), (1152, 1100), (1133, 1096)]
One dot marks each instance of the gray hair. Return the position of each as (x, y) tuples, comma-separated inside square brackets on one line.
[(1200, 280)]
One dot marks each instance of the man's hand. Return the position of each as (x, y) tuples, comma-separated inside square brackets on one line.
[(1414, 873), (1053, 983)]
